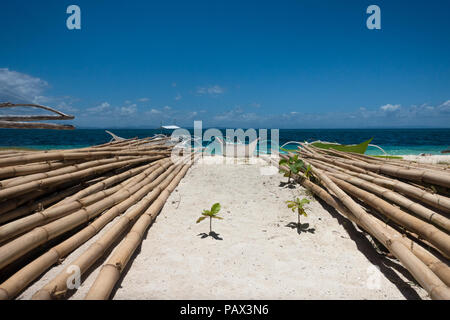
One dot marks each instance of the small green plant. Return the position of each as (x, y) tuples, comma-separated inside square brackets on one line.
[(294, 164), (298, 204), (307, 173), (211, 214)]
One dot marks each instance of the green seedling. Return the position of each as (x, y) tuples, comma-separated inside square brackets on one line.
[(294, 164), (212, 214), (297, 205)]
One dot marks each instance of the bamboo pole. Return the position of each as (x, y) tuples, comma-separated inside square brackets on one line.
[(12, 286), (15, 171), (110, 272), (34, 125)]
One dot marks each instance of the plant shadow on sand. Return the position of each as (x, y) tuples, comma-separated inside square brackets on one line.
[(212, 234), (290, 185), (303, 227)]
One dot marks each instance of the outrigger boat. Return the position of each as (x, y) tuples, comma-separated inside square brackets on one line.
[(356, 148)]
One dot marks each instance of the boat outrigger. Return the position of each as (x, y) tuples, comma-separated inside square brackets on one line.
[(356, 148)]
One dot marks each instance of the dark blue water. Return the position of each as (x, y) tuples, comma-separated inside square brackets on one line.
[(394, 141)]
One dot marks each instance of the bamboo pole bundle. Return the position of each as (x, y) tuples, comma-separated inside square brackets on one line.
[(419, 175), (111, 271), (76, 155), (377, 160), (427, 279), (12, 286), (39, 205), (439, 267), (6, 207), (18, 247), (110, 181), (58, 286), (25, 224), (429, 232), (418, 209), (435, 200), (423, 274), (24, 188)]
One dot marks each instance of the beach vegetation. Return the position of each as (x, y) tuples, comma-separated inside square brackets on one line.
[(297, 205), (211, 214), (294, 164)]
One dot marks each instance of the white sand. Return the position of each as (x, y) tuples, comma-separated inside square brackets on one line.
[(433, 159), (258, 256)]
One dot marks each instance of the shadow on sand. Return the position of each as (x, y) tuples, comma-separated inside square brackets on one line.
[(302, 227), (212, 234), (290, 185)]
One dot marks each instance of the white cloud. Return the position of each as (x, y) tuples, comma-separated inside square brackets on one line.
[(144, 99), (167, 108), (154, 111), (212, 90), (19, 87), (104, 107), (67, 108), (178, 97), (128, 110), (444, 107), (390, 107)]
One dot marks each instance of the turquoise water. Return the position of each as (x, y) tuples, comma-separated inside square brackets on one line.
[(393, 141)]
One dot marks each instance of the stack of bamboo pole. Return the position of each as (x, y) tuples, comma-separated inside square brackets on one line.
[(51, 202), (404, 205)]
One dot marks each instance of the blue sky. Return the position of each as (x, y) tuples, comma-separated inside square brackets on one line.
[(277, 64)]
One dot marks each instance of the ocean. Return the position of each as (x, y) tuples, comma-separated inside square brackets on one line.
[(393, 141)]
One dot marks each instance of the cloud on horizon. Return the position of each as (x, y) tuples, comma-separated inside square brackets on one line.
[(19, 87)]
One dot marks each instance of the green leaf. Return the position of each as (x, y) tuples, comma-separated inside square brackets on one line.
[(304, 201), (215, 208), (200, 219), (217, 217), (282, 162)]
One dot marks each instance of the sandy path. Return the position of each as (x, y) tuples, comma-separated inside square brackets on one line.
[(258, 256)]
